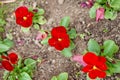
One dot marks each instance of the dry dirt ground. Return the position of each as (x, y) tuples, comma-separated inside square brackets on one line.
[(56, 63)]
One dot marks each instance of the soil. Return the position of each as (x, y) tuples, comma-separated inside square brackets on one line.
[(54, 62)]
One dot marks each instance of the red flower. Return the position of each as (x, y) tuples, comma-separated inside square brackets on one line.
[(23, 16), (60, 38), (59, 29), (8, 61), (7, 65), (96, 65), (13, 58)]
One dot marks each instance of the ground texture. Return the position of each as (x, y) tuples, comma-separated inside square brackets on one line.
[(54, 62)]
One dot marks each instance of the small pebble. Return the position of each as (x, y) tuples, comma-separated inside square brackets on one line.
[(60, 1)]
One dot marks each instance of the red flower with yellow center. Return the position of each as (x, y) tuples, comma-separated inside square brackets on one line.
[(23, 16), (60, 38), (8, 61), (96, 65)]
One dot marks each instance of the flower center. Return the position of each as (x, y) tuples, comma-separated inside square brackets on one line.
[(94, 68), (59, 39), (24, 18)]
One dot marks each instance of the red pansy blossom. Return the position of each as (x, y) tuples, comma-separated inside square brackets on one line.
[(96, 65), (60, 38), (7, 65), (13, 58), (8, 61), (23, 16)]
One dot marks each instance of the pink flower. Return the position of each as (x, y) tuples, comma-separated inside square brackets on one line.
[(100, 14), (79, 58), (41, 35)]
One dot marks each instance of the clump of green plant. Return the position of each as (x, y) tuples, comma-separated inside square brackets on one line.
[(98, 61), (101, 9), (26, 17), (2, 18), (61, 76), (17, 68), (61, 37)]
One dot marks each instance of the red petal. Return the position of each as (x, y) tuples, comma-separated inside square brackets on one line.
[(30, 14), (59, 29), (27, 23), (102, 74), (13, 58), (59, 47), (90, 58), (21, 11), (52, 42), (4, 57), (102, 59), (87, 68), (101, 66), (23, 23), (6, 64), (93, 74), (66, 41)]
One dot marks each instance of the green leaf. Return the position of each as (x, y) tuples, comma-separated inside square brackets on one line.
[(54, 78), (30, 63), (19, 62), (110, 67), (40, 11), (24, 76), (110, 14), (115, 4), (101, 1), (2, 22), (11, 78), (116, 67), (67, 52), (109, 48), (72, 45), (45, 41), (5, 75), (1, 29), (5, 45), (93, 46), (63, 76), (3, 48), (42, 20), (92, 11), (25, 30), (65, 22), (39, 20), (8, 42), (36, 26), (72, 33)]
